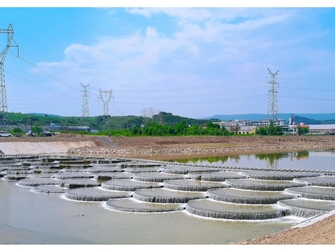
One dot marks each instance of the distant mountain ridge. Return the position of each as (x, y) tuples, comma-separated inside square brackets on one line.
[(170, 119), (43, 114), (313, 118)]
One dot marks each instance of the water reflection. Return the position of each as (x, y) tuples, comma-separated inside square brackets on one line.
[(220, 160), (291, 160)]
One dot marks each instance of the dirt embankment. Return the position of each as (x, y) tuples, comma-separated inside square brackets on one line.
[(319, 233), (163, 148)]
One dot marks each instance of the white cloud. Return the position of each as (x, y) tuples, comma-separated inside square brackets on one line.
[(210, 47)]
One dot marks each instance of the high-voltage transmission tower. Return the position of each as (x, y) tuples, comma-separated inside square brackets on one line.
[(3, 96), (85, 110), (273, 101), (108, 96)]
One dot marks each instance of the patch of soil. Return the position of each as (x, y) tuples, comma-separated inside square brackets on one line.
[(319, 233)]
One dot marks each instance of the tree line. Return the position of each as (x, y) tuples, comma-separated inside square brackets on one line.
[(161, 124), (180, 129)]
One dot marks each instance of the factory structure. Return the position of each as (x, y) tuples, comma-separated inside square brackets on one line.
[(290, 127), (248, 126)]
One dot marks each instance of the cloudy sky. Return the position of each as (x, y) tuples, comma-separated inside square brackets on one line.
[(192, 62)]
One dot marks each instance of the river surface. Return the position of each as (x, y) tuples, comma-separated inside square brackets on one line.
[(314, 160), (28, 217)]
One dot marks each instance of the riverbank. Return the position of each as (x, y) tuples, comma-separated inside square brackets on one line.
[(320, 231), (163, 148), (167, 148)]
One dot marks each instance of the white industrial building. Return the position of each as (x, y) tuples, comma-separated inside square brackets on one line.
[(322, 129)]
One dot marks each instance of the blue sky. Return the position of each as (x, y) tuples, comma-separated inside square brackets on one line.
[(192, 62)]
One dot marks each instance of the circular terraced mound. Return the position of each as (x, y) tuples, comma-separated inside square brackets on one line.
[(46, 171), (314, 192), (188, 169), (138, 164), (157, 177), (143, 169), (104, 169), (49, 189), (222, 210), (263, 185), (15, 176), (217, 176), (73, 175), (38, 181), (40, 175), (128, 185), (22, 171), (14, 169), (192, 185), (325, 181), (162, 195), (307, 208), (131, 205), (94, 194), (78, 183), (75, 166), (72, 170), (113, 175), (276, 175), (53, 167), (247, 196)]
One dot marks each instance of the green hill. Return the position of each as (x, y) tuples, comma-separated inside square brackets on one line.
[(100, 122)]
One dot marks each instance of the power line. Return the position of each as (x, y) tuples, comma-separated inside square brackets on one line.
[(323, 99), (38, 84), (51, 76), (193, 88), (308, 89), (51, 57)]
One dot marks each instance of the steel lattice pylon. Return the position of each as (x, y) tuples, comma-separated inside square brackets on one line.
[(105, 101), (3, 96), (273, 101), (85, 110)]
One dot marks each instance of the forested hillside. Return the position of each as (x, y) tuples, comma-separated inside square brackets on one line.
[(101, 122)]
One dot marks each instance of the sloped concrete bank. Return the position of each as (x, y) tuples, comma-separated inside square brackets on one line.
[(46, 145), (13, 148)]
